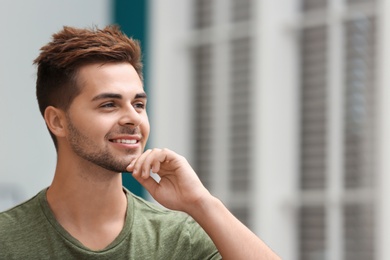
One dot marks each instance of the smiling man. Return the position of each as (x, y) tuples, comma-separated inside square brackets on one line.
[(90, 93)]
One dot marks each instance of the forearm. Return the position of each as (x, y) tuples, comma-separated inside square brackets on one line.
[(180, 189), (233, 239)]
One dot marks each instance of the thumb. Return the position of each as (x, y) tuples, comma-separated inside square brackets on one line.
[(149, 183)]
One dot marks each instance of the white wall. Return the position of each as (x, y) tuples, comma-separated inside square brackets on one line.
[(170, 120), (27, 155)]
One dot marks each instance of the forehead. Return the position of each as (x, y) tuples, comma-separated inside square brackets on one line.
[(115, 77)]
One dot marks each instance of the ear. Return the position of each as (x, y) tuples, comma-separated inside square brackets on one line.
[(55, 121)]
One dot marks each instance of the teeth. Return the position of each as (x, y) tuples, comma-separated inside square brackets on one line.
[(125, 141)]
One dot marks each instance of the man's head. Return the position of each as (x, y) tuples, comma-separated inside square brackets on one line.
[(70, 49)]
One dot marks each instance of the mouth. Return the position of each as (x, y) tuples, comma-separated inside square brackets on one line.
[(127, 140), (124, 141)]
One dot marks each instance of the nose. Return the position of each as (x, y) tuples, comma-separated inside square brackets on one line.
[(130, 116)]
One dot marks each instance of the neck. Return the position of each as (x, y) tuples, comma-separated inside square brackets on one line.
[(86, 189), (87, 199)]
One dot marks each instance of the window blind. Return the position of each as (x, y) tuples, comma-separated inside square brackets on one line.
[(216, 21), (353, 209), (203, 121), (313, 108), (359, 138)]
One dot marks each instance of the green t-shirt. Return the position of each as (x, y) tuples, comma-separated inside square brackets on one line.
[(30, 231)]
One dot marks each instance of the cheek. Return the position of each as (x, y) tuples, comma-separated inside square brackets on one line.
[(145, 127), (96, 127)]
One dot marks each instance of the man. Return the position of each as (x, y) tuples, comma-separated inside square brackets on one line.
[(90, 93)]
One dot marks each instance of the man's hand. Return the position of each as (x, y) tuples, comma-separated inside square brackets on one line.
[(179, 187)]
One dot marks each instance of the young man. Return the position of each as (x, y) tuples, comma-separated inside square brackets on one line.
[(90, 93)]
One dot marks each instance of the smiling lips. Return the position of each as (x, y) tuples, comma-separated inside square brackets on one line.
[(125, 141)]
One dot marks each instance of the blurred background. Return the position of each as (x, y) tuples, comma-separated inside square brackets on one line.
[(281, 107)]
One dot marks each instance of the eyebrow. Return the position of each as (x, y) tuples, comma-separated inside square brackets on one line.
[(117, 96), (141, 95)]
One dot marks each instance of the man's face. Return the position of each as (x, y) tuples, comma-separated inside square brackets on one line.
[(107, 122)]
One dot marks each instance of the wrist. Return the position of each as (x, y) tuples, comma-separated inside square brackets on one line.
[(203, 206)]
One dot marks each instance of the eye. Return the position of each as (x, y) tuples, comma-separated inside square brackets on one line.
[(108, 105), (139, 105)]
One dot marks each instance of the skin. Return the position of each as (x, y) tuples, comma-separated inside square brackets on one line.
[(86, 194)]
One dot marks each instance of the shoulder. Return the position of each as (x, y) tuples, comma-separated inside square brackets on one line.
[(11, 215), (144, 205), (186, 237), (15, 219), (151, 217), (165, 220)]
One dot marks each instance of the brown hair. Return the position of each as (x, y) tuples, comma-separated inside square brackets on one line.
[(71, 48)]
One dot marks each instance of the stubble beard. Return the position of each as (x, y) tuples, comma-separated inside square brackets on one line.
[(87, 149)]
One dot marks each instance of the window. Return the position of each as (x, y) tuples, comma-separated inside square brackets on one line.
[(338, 120), (202, 59), (222, 58)]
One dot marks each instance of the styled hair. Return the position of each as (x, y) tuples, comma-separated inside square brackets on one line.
[(59, 61)]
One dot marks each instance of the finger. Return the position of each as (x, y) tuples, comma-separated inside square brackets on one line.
[(146, 161), (152, 162), (156, 166), (175, 160), (155, 161), (149, 183), (130, 167), (137, 164)]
